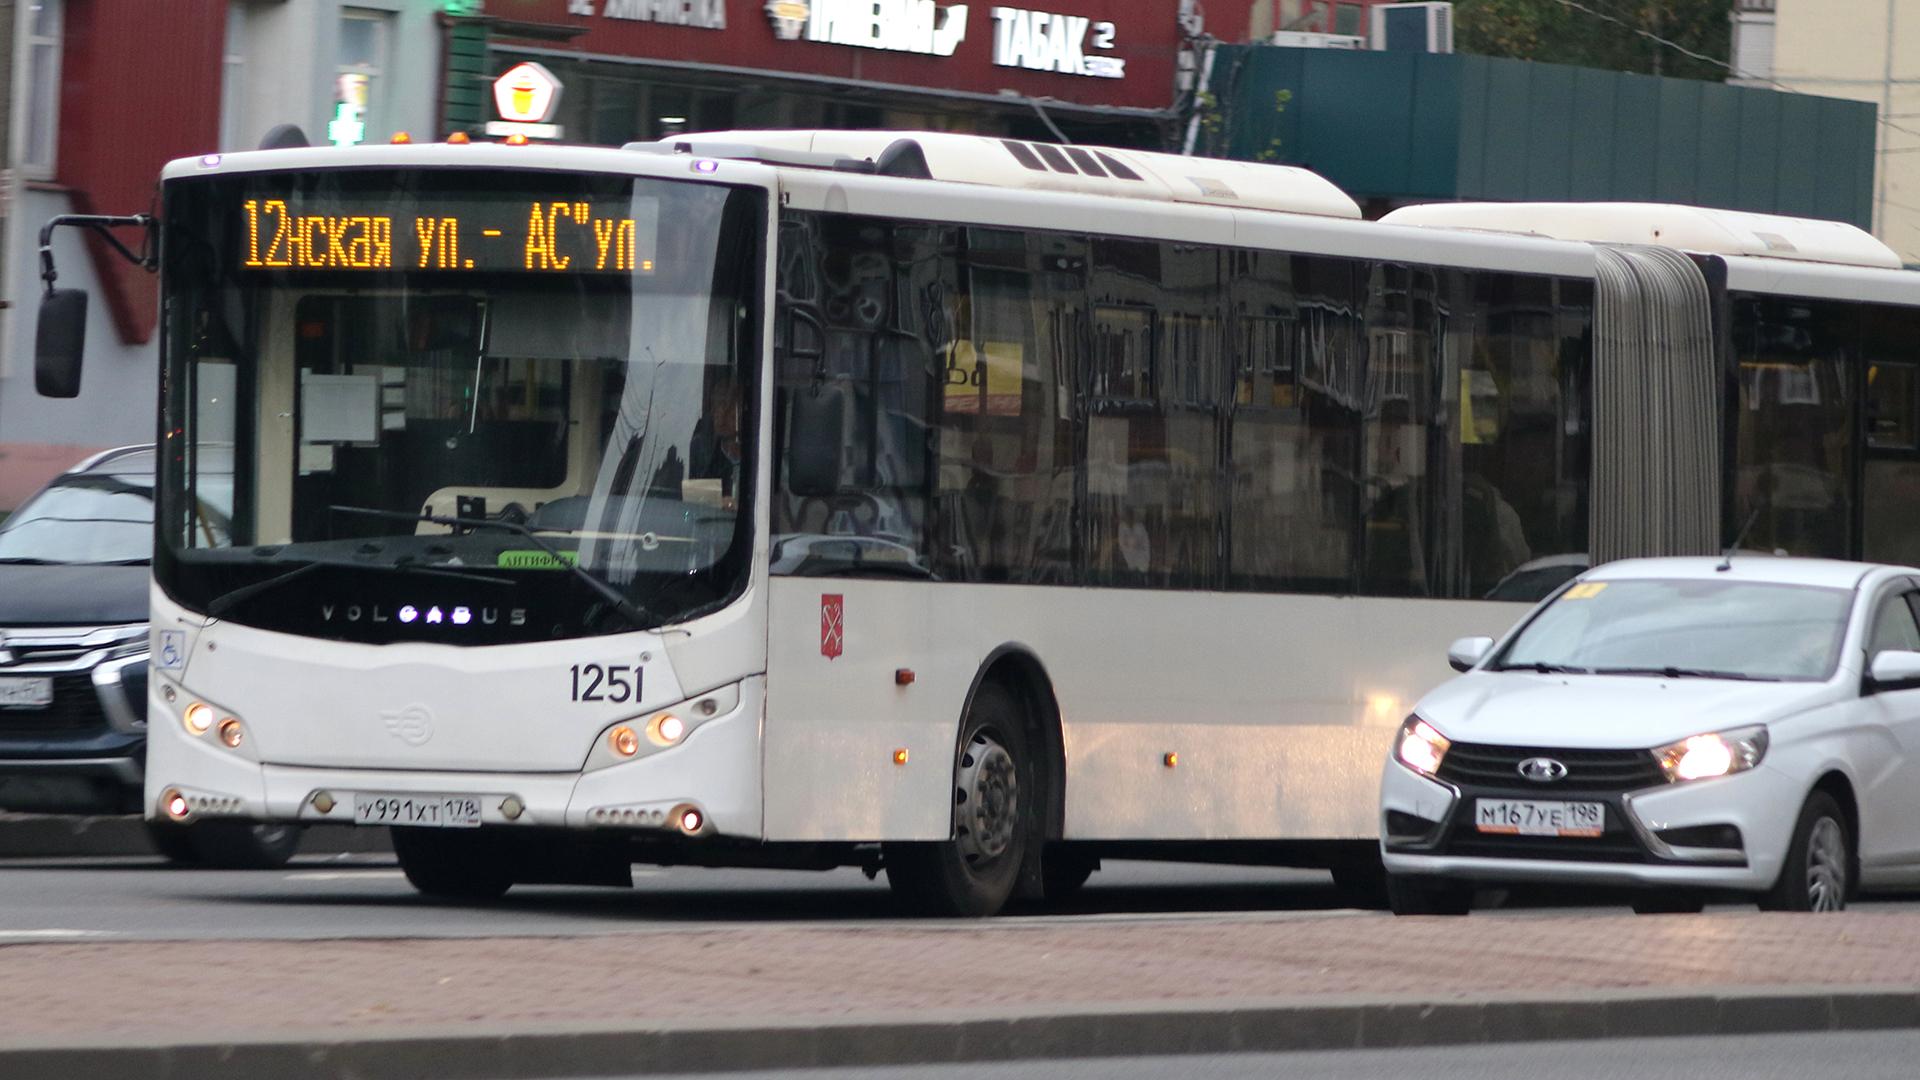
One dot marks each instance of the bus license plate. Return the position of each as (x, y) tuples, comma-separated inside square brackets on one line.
[(18, 693), (430, 811), (1525, 817)]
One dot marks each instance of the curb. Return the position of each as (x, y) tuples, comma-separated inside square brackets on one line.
[(41, 836), (1329, 1023)]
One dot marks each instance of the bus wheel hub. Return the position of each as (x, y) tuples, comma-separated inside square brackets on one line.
[(989, 797)]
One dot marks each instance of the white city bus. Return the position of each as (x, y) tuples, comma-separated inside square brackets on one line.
[(963, 508)]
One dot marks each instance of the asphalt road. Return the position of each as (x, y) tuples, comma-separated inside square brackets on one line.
[(1877, 1055), (131, 899)]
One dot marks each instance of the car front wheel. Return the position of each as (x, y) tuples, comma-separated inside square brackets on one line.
[(1818, 873), (1418, 896)]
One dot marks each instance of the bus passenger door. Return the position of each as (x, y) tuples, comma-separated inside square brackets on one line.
[(1890, 503)]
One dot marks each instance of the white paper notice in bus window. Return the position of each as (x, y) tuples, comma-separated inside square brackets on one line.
[(1107, 455)]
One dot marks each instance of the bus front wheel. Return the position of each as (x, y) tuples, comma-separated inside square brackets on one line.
[(462, 864), (973, 873)]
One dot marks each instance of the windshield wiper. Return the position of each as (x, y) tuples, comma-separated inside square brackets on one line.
[(1686, 673), (226, 601), (635, 614), (1544, 668)]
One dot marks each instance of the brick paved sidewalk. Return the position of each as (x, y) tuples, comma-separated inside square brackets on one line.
[(771, 973)]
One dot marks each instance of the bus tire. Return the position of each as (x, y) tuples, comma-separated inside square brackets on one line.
[(173, 842), (453, 864), (241, 845), (972, 874), (1063, 872)]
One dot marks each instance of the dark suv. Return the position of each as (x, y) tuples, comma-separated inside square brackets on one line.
[(74, 572)]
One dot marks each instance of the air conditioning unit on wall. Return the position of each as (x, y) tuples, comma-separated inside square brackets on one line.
[(1412, 28)]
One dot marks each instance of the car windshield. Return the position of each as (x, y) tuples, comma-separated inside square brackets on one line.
[(1686, 628), (88, 518)]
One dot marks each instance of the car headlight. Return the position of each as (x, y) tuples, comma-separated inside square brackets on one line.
[(1420, 747), (1718, 753)]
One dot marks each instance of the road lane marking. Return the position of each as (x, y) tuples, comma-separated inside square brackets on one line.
[(51, 932), (344, 875)]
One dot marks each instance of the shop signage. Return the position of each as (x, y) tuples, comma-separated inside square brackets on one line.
[(348, 126), (1043, 41), (526, 97), (908, 26), (699, 14)]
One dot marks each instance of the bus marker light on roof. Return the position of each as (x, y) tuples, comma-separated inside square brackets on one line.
[(516, 139), (706, 165), (401, 138), (459, 138), (1170, 759), (903, 676), (623, 741), (209, 161), (900, 756), (198, 717)]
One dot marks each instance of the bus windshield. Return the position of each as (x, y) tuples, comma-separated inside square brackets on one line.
[(461, 405)]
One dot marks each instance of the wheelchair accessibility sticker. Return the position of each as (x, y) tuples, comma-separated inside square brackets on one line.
[(172, 654)]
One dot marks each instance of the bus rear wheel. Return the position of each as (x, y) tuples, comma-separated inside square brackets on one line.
[(972, 874), (463, 864)]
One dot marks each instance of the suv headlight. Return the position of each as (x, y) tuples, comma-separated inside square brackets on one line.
[(1718, 753), (1420, 747)]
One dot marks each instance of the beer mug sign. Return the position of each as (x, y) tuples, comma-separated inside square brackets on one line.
[(527, 94)]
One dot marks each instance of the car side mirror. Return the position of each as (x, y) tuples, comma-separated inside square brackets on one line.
[(59, 342), (816, 440), (1463, 654), (1894, 669)]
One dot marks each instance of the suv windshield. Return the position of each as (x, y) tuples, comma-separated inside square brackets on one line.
[(1700, 628), (92, 518), (554, 367)]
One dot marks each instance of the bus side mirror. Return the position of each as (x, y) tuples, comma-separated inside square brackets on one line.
[(816, 440), (59, 342)]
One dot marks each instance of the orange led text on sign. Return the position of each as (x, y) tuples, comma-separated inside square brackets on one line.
[(613, 237), (279, 238)]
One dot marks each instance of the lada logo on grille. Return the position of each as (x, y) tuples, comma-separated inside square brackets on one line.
[(412, 725), (1543, 770)]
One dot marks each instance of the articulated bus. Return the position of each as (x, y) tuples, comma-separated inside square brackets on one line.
[(960, 508)]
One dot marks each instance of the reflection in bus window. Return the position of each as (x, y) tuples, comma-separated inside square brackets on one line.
[(1795, 454)]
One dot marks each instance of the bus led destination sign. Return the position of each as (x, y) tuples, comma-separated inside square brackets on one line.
[(575, 236)]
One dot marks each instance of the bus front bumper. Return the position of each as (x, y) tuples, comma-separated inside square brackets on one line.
[(714, 770)]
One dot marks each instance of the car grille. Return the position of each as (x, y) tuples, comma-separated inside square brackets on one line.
[(1481, 765), (1610, 846), (75, 710)]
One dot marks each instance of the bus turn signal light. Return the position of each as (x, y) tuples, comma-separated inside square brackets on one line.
[(623, 741), (232, 732)]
